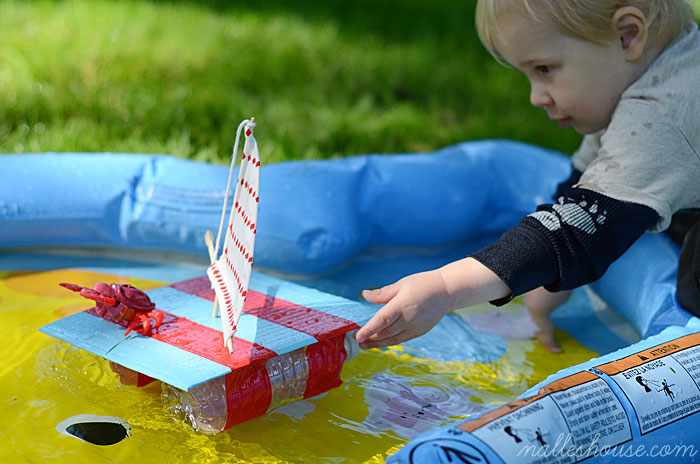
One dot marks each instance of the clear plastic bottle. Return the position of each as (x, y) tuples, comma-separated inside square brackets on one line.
[(205, 407), (202, 407)]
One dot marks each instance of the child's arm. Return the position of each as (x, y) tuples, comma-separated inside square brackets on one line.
[(561, 246), (414, 304)]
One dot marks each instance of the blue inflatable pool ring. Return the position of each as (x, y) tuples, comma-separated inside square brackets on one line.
[(315, 216)]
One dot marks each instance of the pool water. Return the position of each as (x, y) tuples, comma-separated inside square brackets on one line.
[(462, 367)]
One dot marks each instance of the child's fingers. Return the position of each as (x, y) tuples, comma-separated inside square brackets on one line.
[(384, 318), (390, 331), (381, 295), (547, 340), (389, 341), (545, 334)]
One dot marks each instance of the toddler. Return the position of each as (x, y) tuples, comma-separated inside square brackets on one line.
[(626, 75)]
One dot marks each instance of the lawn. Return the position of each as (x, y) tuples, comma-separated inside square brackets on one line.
[(323, 79)]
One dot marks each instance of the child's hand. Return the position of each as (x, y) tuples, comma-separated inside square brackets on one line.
[(540, 303), (412, 306)]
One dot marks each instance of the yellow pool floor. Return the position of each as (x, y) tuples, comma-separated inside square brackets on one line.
[(378, 408)]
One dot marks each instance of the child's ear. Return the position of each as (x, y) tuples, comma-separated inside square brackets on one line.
[(630, 25)]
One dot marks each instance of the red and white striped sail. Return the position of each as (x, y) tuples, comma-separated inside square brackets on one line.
[(230, 274)]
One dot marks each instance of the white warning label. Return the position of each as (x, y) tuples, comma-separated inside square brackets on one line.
[(594, 415), (566, 426), (690, 360), (531, 434), (662, 391)]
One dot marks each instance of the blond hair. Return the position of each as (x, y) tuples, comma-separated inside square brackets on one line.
[(584, 19)]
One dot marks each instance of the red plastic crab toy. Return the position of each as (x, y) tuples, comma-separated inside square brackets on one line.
[(122, 302)]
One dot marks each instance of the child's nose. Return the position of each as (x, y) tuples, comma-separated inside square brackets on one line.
[(539, 97)]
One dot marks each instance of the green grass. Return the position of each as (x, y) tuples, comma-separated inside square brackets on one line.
[(323, 79)]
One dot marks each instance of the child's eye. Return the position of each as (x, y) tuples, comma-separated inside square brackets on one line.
[(543, 69)]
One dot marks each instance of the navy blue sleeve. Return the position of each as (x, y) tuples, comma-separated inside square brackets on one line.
[(566, 244)]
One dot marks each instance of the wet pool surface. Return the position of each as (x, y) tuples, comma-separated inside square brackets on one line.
[(464, 366)]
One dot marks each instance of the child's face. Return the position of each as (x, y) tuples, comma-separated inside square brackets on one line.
[(577, 82)]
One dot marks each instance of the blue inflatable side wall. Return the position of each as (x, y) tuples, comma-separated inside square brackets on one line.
[(315, 215)]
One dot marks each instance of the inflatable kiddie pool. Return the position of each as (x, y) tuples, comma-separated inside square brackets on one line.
[(340, 226)]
